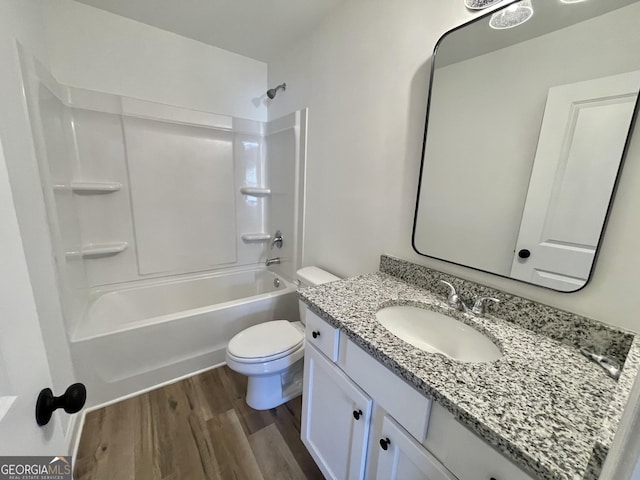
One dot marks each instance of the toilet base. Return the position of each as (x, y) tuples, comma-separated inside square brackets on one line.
[(269, 391)]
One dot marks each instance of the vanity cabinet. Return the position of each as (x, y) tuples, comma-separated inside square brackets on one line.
[(336, 424), (360, 420)]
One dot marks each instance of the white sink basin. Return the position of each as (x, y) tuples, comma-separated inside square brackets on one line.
[(438, 333)]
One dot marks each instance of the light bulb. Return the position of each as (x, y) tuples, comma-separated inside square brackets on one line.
[(512, 16)]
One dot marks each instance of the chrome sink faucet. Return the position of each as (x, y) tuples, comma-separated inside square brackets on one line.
[(453, 300), (478, 309)]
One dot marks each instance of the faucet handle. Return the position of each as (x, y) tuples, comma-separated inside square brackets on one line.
[(478, 307), (451, 287), (277, 240)]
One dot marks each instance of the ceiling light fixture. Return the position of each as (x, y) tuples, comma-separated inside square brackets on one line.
[(480, 4), (512, 16)]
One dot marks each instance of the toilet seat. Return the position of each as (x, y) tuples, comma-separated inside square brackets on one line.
[(265, 342)]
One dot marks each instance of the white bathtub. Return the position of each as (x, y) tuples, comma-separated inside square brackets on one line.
[(134, 338)]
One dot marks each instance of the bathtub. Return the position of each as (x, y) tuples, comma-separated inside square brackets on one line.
[(131, 339)]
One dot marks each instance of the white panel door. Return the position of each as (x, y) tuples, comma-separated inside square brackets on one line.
[(24, 369), (402, 458), (581, 142), (335, 418)]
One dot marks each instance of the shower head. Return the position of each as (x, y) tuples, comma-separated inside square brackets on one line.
[(271, 93)]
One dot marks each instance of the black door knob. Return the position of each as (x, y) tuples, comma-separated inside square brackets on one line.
[(524, 253), (384, 443), (356, 414), (315, 334), (72, 400)]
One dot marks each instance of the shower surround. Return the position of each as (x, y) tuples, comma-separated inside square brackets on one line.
[(150, 203)]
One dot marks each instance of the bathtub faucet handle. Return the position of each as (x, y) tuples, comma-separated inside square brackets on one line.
[(277, 240)]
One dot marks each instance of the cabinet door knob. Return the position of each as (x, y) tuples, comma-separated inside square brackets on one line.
[(315, 334), (524, 253), (384, 443), (356, 414)]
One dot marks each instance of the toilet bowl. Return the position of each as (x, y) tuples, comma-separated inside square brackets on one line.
[(271, 354)]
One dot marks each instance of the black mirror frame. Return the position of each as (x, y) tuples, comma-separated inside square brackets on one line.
[(625, 150)]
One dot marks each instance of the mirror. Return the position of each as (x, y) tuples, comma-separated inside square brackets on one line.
[(527, 126)]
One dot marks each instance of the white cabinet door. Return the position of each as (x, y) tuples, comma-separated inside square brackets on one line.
[(582, 139), (335, 418), (402, 458), (465, 454)]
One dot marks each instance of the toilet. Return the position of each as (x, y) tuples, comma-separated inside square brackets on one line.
[(271, 354)]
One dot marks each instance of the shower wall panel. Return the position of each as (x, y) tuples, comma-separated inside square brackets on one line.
[(285, 160), (53, 133), (249, 161), (183, 196), (137, 191), (99, 155)]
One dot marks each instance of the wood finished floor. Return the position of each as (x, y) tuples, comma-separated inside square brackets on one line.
[(199, 428)]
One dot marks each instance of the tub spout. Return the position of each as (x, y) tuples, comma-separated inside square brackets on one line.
[(271, 261)]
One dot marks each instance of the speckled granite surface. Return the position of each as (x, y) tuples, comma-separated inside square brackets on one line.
[(543, 405), (613, 412), (565, 327)]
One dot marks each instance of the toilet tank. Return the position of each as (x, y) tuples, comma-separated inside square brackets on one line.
[(309, 276)]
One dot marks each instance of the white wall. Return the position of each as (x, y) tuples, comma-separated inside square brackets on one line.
[(97, 50), (363, 74)]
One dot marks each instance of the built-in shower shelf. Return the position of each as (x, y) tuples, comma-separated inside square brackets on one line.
[(90, 187), (256, 237), (95, 250), (255, 191)]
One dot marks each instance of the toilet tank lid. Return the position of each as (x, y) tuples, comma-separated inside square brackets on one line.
[(315, 276)]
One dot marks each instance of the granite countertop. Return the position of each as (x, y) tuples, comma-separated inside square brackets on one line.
[(543, 405)]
